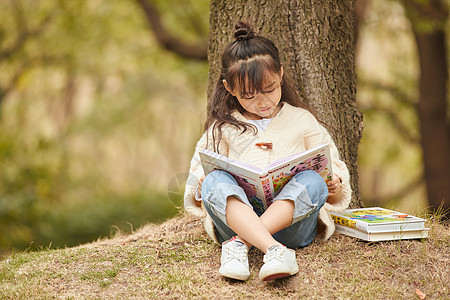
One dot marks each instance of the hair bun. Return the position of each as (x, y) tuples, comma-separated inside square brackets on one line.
[(243, 31)]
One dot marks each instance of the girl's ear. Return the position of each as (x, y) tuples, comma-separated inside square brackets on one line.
[(281, 74), (227, 87)]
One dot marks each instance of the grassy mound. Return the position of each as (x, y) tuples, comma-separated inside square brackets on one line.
[(177, 260)]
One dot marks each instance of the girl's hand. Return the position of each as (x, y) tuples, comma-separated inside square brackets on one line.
[(334, 186), (200, 182), (199, 189)]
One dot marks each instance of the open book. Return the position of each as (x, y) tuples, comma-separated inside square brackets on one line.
[(261, 186)]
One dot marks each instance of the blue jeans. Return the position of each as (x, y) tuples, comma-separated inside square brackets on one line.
[(307, 189)]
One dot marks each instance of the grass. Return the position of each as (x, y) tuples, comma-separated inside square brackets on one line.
[(177, 260)]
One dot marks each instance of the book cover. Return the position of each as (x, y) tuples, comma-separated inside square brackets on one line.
[(262, 185), (377, 219), (382, 236)]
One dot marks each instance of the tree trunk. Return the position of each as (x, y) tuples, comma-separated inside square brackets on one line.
[(434, 131), (428, 20), (316, 41)]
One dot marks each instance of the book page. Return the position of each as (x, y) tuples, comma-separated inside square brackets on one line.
[(252, 188), (247, 176), (317, 159), (216, 158)]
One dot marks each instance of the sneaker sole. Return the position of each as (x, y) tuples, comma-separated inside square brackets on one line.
[(276, 276), (234, 276), (279, 275)]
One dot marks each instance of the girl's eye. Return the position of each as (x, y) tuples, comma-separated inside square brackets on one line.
[(249, 97), (268, 92)]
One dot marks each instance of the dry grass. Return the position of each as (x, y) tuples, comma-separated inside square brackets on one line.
[(177, 260)]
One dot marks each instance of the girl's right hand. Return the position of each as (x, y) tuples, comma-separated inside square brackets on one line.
[(334, 186)]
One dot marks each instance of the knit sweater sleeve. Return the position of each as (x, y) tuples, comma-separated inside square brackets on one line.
[(196, 173), (318, 135)]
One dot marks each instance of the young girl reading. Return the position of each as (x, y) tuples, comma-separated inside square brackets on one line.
[(256, 117)]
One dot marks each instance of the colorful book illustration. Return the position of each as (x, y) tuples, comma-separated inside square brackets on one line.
[(261, 186), (382, 236), (377, 224)]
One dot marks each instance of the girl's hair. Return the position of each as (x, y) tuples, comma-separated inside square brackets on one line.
[(245, 61)]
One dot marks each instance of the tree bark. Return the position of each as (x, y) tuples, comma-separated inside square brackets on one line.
[(428, 21), (316, 43)]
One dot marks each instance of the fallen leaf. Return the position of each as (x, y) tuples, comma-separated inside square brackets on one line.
[(421, 294), (368, 253)]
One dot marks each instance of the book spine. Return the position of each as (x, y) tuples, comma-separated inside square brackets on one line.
[(352, 232), (350, 223), (268, 195), (383, 236)]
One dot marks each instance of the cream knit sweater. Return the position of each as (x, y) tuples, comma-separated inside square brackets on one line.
[(293, 130)]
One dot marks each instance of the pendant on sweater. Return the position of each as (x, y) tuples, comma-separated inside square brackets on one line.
[(264, 146)]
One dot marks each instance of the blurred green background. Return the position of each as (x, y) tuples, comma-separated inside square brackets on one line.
[(98, 122)]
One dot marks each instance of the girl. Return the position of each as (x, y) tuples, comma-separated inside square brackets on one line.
[(256, 117)]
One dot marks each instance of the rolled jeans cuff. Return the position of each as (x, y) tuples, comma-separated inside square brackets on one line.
[(300, 189)]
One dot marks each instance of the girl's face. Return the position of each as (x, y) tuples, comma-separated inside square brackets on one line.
[(263, 104)]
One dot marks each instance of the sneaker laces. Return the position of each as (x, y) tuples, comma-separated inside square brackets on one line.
[(274, 252), (235, 251)]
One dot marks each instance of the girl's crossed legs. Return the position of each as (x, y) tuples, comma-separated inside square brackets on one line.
[(290, 220)]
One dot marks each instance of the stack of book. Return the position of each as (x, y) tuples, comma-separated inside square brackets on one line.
[(379, 224)]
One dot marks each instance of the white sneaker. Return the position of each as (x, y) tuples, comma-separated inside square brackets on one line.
[(234, 260), (279, 262)]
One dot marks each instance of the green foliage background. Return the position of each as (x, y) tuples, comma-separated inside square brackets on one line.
[(98, 121)]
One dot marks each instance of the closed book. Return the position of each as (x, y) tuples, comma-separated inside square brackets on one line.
[(377, 219), (382, 236)]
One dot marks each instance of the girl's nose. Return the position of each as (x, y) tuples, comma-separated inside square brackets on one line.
[(262, 98)]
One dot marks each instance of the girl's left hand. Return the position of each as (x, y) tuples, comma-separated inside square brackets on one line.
[(334, 186)]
